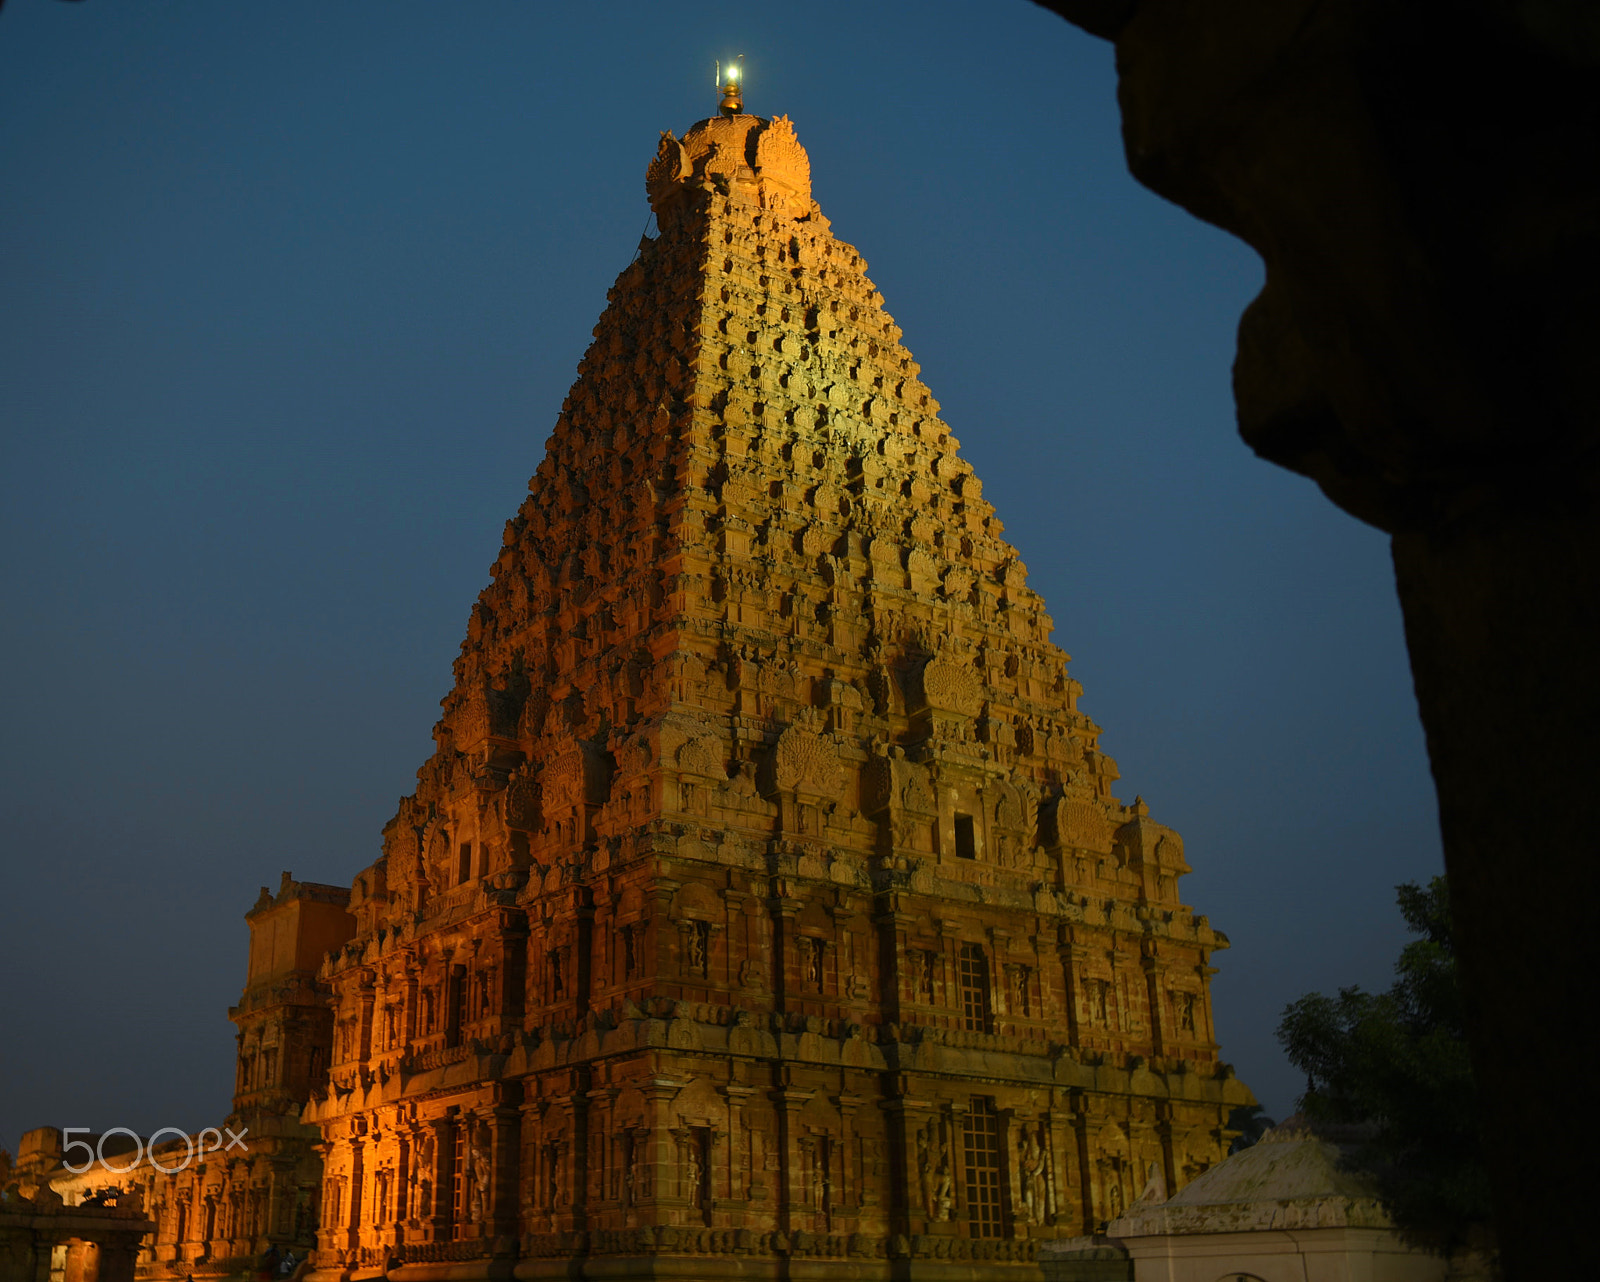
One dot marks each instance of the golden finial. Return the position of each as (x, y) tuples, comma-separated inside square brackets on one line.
[(730, 84)]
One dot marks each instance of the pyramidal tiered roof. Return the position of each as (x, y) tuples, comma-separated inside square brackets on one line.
[(750, 506), (765, 894)]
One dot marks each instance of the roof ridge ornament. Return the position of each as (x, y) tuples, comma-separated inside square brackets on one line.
[(730, 84)]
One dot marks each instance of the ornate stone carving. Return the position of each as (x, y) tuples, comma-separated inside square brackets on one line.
[(703, 756), (803, 760), (522, 803), (666, 171), (780, 158), (950, 688)]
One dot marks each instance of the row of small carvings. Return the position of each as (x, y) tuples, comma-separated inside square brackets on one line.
[(700, 1241), (893, 1048), (937, 1050), (661, 1012), (1064, 906)]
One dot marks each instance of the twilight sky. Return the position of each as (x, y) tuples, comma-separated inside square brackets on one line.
[(293, 293)]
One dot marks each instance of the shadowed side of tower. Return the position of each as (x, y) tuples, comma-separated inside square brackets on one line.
[(764, 908)]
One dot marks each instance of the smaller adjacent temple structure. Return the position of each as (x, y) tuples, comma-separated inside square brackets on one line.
[(215, 1204), (44, 1240)]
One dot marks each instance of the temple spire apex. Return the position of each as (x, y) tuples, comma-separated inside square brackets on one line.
[(730, 84)]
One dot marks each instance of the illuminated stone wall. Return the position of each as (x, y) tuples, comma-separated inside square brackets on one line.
[(765, 900), (218, 1200)]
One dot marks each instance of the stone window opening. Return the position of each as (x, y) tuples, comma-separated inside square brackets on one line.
[(456, 1005), (929, 962), (981, 1168), (972, 973), (966, 838), (464, 864), (630, 959), (557, 980)]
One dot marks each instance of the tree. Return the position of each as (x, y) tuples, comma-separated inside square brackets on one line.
[(1395, 1065), (1251, 1121)]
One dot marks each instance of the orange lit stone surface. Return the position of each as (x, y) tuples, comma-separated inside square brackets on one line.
[(215, 1203), (765, 908)]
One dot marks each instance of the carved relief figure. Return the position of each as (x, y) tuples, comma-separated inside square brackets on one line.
[(478, 1160), (1030, 1166)]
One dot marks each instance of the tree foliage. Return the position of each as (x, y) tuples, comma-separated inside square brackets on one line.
[(1395, 1065), (1251, 1122)]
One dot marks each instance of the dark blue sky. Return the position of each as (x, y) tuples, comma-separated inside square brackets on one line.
[(293, 292)]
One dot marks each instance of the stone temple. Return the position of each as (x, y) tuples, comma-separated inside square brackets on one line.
[(764, 909), (765, 906)]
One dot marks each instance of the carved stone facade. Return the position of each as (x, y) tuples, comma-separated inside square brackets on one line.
[(765, 908), (219, 1200)]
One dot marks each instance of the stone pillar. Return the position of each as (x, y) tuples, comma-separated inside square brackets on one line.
[(786, 978), (846, 1177), (530, 1170), (368, 995), (736, 944), (897, 985), (504, 1125), (405, 1142), (910, 1186), (1061, 1163), (280, 1198), (1072, 957), (409, 1031), (1086, 1178), (1206, 972), (1012, 1215), (659, 1168), (598, 1136), (1155, 975), (716, 1142), (791, 1192), (738, 1154), (441, 1215), (1164, 1132), (574, 1159), (956, 1110), (357, 1189)]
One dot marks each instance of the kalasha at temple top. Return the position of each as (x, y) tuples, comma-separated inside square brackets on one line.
[(764, 907)]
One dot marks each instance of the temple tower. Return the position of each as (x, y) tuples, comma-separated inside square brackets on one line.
[(765, 906)]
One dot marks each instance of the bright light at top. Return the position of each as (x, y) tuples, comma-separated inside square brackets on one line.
[(733, 73)]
